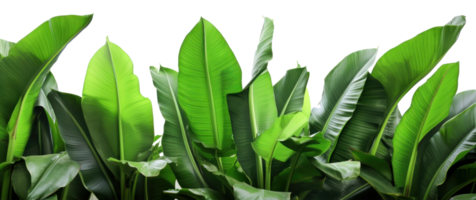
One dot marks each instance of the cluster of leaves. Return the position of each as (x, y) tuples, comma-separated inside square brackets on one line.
[(223, 141)]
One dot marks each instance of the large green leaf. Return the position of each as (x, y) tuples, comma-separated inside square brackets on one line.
[(118, 116), (264, 52), (454, 140), (5, 47), (385, 149), (74, 190), (430, 104), (464, 197), (342, 90), (268, 145), (44, 175), (381, 184), (208, 71), (175, 139), (290, 90), (461, 177), (293, 179), (79, 144), (245, 191), (252, 112), (153, 187), (150, 168), (340, 171), (378, 164), (40, 141), (309, 146), (402, 67), (21, 74)]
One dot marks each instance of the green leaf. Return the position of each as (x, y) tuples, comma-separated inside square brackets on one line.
[(430, 104), (226, 180), (402, 67), (290, 90), (74, 190), (460, 178), (5, 47), (118, 116), (52, 197), (252, 112), (175, 141), (21, 74), (150, 168), (381, 183), (237, 172), (340, 171), (308, 146), (264, 52), (245, 191), (208, 72), (153, 187), (45, 175), (268, 145), (454, 140), (40, 141), (196, 193), (385, 149), (378, 164), (79, 144), (342, 90), (303, 173), (360, 131), (21, 180), (464, 197)]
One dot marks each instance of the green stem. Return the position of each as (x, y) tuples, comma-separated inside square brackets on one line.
[(65, 192), (134, 186), (259, 169), (219, 163), (6, 189), (293, 166), (6, 184), (268, 173), (355, 191), (374, 149), (304, 194), (146, 189), (123, 184), (472, 188)]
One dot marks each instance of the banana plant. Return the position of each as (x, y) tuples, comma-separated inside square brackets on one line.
[(22, 72), (373, 121), (113, 144)]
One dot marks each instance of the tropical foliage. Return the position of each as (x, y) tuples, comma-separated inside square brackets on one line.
[(225, 141)]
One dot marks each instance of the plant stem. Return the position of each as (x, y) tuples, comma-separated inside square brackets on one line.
[(135, 185), (304, 194), (123, 184), (374, 148), (6, 176), (259, 169), (6, 184), (472, 188), (268, 173), (293, 166)]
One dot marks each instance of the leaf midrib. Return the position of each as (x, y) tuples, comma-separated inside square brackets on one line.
[(210, 90), (36, 78), (93, 151), (184, 134), (412, 163), (48, 170), (119, 119), (324, 130), (446, 159)]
